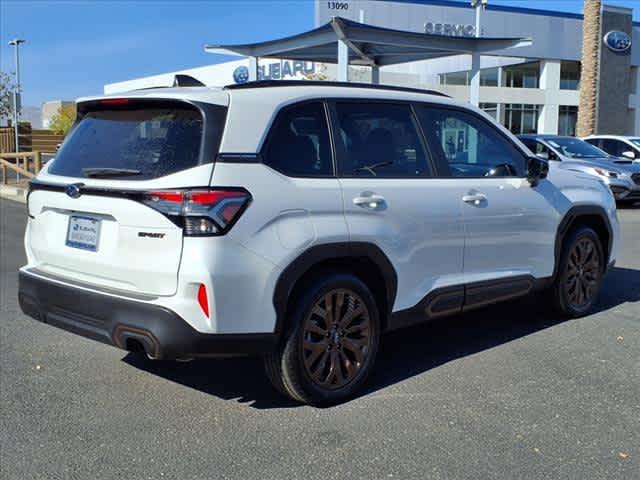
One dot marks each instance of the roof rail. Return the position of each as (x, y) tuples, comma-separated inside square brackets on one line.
[(325, 83)]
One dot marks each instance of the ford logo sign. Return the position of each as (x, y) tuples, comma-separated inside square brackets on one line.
[(617, 41), (73, 190), (241, 74)]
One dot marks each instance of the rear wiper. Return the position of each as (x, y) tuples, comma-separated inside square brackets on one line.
[(371, 168), (106, 172)]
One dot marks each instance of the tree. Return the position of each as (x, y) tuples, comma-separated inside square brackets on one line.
[(63, 119), (7, 87)]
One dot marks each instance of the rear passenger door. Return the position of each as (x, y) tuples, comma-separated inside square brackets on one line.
[(509, 225), (392, 198), (296, 195)]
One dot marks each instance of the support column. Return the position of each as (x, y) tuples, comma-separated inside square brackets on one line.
[(253, 69), (500, 113), (343, 61), (550, 82), (548, 121), (375, 74), (500, 106), (474, 84)]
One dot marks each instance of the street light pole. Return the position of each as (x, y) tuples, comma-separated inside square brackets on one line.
[(16, 92)]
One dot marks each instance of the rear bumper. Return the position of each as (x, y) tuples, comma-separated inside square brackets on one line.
[(127, 323)]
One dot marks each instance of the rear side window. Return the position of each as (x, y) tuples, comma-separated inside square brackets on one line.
[(596, 142), (133, 142), (298, 142), (614, 147), (380, 140)]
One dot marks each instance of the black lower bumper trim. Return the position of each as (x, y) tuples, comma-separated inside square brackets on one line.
[(124, 323)]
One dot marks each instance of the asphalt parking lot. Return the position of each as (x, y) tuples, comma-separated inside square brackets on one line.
[(507, 392)]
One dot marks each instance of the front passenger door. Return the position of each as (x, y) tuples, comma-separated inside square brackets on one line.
[(509, 225)]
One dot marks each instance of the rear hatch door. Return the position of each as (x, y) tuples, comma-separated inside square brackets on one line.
[(88, 220)]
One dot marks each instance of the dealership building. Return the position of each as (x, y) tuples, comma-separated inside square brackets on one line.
[(533, 88)]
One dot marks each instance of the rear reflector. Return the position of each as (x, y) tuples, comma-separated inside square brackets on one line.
[(203, 300), (201, 212)]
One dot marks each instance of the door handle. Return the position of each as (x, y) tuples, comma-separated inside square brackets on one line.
[(370, 201), (474, 198)]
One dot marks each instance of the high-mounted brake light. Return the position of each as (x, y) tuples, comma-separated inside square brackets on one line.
[(201, 212), (114, 101)]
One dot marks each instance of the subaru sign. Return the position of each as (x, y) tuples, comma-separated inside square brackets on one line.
[(617, 41), (241, 74), (275, 71)]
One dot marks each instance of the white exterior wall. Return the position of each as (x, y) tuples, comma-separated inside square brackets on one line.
[(634, 102)]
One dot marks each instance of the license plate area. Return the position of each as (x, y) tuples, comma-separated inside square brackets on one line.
[(83, 233)]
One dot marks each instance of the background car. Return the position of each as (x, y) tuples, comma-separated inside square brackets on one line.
[(575, 154), (627, 149)]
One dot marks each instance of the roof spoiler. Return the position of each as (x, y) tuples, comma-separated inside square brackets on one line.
[(186, 81)]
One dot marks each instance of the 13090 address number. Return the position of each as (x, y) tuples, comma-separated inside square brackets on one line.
[(337, 5)]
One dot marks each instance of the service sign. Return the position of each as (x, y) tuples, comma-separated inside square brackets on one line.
[(450, 29), (617, 41)]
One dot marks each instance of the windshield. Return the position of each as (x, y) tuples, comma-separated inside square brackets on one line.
[(576, 148), (132, 143)]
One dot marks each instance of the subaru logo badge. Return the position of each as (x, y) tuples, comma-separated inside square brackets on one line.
[(73, 190), (617, 41), (241, 74)]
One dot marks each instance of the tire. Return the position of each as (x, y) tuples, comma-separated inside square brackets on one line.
[(577, 283), (322, 361)]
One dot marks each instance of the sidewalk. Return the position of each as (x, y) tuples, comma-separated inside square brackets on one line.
[(13, 192)]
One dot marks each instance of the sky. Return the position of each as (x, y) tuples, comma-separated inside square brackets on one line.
[(75, 47)]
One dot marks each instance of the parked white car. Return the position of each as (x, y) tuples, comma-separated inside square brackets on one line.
[(299, 221), (626, 148)]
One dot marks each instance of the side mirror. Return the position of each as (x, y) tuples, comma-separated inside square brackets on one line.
[(629, 154), (537, 169)]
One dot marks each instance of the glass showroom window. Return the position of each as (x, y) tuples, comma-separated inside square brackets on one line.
[(567, 120), (489, 77), (569, 75), (454, 78), (490, 108), (521, 118), (525, 75)]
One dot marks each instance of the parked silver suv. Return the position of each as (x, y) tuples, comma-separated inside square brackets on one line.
[(572, 153)]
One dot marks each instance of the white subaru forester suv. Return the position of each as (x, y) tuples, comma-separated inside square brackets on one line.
[(299, 221)]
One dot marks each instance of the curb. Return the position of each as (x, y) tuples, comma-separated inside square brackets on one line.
[(17, 194)]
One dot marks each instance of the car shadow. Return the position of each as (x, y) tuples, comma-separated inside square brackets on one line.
[(627, 206), (403, 353)]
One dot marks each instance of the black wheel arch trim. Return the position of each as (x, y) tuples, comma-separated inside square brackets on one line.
[(570, 217), (332, 251)]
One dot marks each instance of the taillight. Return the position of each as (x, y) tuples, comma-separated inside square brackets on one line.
[(201, 212)]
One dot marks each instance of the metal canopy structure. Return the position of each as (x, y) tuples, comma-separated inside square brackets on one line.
[(346, 42)]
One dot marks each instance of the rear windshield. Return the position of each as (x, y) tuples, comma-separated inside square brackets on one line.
[(132, 143)]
